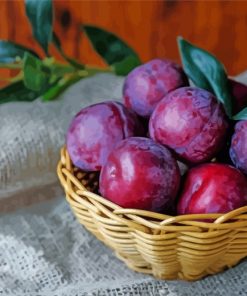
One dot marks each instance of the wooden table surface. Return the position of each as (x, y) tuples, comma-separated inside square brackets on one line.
[(150, 27)]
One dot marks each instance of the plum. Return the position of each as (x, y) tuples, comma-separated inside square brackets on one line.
[(96, 129), (212, 188), (238, 149), (191, 122), (141, 174), (147, 84), (239, 92)]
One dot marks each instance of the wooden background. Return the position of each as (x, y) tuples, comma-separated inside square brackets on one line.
[(150, 27)]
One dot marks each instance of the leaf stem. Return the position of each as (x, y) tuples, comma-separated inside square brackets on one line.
[(62, 84), (62, 69), (18, 77), (93, 69), (11, 65), (5, 79)]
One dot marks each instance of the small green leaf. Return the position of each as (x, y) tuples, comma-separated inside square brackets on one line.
[(242, 115), (10, 52), (112, 49), (40, 15), (17, 91), (72, 61), (206, 72), (125, 66), (189, 66), (35, 77)]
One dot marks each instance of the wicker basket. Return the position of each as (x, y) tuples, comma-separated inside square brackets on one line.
[(184, 247)]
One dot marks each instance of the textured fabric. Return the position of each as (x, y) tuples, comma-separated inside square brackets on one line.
[(43, 249)]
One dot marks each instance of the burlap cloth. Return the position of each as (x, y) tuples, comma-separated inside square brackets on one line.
[(43, 249)]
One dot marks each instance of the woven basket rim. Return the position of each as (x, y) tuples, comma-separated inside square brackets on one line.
[(237, 217)]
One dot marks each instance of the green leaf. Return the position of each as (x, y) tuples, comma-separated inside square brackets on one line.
[(17, 91), (189, 66), (125, 66), (40, 15), (10, 52), (35, 75), (112, 49), (206, 72), (72, 61), (242, 115)]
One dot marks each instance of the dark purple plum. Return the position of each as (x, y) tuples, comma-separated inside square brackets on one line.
[(239, 92), (212, 188), (238, 149), (141, 174), (147, 84), (191, 122), (95, 131)]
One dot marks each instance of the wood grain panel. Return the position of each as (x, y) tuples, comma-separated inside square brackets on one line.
[(150, 27)]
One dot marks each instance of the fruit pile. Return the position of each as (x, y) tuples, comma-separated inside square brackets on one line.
[(163, 124)]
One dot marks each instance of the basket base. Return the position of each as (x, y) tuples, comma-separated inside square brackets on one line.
[(146, 269)]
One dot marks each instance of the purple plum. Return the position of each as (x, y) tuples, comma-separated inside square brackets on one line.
[(147, 84), (95, 131), (141, 174), (239, 92), (238, 149), (191, 122), (213, 188)]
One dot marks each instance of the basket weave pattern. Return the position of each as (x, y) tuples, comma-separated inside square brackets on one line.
[(186, 247)]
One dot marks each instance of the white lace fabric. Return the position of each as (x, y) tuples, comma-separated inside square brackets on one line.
[(43, 250)]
